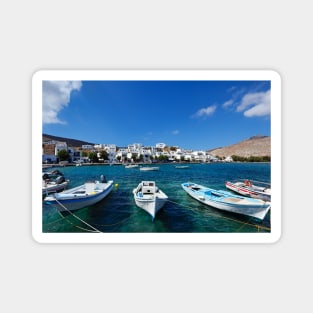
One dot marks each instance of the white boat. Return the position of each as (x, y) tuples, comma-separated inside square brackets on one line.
[(149, 197), (53, 181), (81, 196), (228, 201), (131, 166), (149, 168), (249, 189), (182, 166)]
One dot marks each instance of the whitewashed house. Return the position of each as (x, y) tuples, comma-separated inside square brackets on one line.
[(60, 146), (160, 145)]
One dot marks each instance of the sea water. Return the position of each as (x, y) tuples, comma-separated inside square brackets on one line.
[(119, 213)]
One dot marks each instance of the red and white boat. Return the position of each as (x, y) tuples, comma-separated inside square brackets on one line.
[(249, 189)]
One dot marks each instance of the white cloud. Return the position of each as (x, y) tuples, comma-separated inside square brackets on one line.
[(175, 132), (227, 103), (231, 89), (55, 97), (205, 112), (255, 104)]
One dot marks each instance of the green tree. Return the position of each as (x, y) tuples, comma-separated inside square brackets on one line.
[(134, 156), (237, 158), (104, 155), (63, 155), (93, 157), (162, 158)]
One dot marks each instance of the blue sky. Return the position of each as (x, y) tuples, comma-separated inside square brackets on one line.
[(198, 115)]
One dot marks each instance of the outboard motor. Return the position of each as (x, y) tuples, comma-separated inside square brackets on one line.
[(103, 179), (55, 172), (60, 179)]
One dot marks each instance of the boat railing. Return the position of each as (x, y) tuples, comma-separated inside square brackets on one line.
[(260, 182)]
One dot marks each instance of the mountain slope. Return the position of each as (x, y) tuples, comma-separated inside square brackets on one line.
[(70, 142), (254, 146)]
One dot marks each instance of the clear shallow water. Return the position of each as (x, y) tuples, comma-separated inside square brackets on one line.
[(118, 212)]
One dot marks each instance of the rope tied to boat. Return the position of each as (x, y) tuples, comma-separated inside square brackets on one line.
[(95, 229), (259, 227)]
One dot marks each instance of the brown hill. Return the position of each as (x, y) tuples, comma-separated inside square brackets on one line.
[(70, 142), (254, 146)]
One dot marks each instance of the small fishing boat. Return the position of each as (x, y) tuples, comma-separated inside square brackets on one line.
[(149, 197), (149, 168), (81, 196), (53, 181), (249, 189), (131, 166), (182, 166), (228, 201)]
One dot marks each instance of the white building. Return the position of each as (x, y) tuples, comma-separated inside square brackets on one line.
[(49, 158), (111, 148), (135, 148), (160, 145), (229, 159), (100, 146), (88, 147), (60, 146)]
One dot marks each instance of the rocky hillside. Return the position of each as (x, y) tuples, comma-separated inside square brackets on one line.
[(254, 146), (70, 142)]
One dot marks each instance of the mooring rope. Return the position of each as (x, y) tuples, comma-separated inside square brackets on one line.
[(227, 218), (122, 221), (55, 221), (68, 221), (95, 229)]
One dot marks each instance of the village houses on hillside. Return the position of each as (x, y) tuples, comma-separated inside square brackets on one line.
[(132, 153)]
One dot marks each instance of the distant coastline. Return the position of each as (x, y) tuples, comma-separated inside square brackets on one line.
[(46, 166)]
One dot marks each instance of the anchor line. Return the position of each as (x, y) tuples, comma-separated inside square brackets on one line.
[(95, 229), (122, 221), (68, 221), (227, 218)]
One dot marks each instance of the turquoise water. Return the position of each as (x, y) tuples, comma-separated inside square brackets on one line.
[(118, 212)]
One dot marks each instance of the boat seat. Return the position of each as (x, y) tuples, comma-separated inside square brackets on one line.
[(232, 200), (216, 194), (89, 187), (148, 189)]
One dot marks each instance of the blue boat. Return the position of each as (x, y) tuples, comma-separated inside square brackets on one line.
[(227, 201)]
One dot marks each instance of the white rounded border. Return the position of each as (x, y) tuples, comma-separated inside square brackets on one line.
[(163, 238)]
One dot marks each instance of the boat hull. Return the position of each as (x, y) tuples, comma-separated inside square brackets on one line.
[(132, 166), (247, 191), (226, 201), (70, 200), (149, 197), (151, 206), (149, 168)]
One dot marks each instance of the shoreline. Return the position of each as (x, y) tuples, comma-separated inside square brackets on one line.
[(44, 166)]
